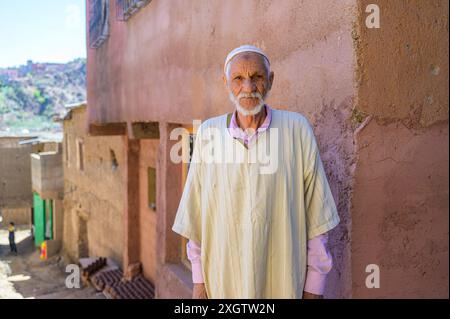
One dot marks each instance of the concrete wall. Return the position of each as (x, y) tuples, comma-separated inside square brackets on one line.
[(400, 200), (19, 216), (15, 173), (47, 174), (93, 198)]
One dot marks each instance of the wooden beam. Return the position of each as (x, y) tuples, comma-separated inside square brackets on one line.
[(108, 129)]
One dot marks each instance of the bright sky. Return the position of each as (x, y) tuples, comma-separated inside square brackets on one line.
[(42, 31)]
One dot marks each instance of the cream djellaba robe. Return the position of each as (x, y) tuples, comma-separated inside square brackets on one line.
[(253, 227)]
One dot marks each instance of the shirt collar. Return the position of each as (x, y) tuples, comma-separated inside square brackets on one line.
[(237, 132)]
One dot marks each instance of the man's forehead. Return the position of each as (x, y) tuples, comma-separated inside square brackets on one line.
[(246, 59), (248, 56)]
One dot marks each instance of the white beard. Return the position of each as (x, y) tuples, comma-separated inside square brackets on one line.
[(244, 111)]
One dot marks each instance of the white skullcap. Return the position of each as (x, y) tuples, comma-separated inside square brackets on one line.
[(243, 48)]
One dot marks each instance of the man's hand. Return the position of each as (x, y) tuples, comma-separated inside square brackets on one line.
[(308, 295), (199, 292)]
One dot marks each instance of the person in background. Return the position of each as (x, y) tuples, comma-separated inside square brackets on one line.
[(12, 243)]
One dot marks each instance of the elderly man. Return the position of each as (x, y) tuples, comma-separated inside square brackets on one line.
[(253, 234)]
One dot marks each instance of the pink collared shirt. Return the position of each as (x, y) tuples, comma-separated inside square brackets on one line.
[(319, 259), (251, 135)]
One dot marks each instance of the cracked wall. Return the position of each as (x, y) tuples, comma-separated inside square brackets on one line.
[(400, 201)]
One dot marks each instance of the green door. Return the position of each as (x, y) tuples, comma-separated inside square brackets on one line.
[(39, 219)]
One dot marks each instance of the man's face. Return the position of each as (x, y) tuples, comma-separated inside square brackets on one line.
[(247, 75)]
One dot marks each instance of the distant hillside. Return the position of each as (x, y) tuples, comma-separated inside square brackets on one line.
[(30, 95)]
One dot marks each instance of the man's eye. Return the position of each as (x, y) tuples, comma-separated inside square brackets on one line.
[(238, 78)]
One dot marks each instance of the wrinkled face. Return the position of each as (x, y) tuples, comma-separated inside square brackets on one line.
[(249, 80)]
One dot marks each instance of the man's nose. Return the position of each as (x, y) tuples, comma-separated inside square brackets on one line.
[(248, 86)]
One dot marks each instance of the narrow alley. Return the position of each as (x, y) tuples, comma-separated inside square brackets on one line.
[(26, 276)]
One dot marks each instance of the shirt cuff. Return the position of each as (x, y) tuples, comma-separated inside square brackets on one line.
[(197, 274), (315, 282)]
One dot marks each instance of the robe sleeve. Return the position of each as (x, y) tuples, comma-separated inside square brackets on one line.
[(321, 211), (188, 218)]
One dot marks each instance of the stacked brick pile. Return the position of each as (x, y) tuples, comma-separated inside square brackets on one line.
[(92, 268), (137, 288), (117, 285), (108, 278)]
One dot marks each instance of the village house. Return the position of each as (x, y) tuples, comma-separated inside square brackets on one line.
[(31, 176), (47, 187), (16, 197), (93, 187)]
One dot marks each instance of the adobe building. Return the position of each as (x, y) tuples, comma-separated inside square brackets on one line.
[(93, 169), (377, 98), (17, 192), (16, 197), (47, 187)]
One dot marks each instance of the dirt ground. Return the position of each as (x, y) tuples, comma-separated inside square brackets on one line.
[(26, 276)]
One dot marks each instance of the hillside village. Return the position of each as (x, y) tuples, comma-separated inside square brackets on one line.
[(31, 95)]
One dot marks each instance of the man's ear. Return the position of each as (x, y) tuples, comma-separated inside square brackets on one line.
[(271, 75), (224, 79)]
